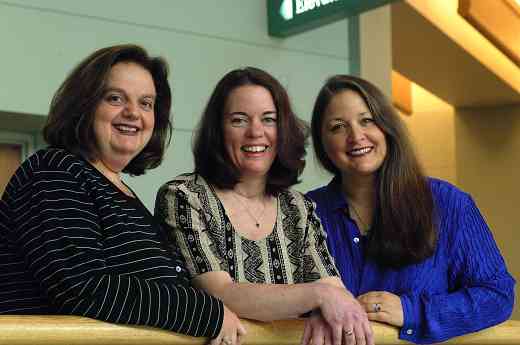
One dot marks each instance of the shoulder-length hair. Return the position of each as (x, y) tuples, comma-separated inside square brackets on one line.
[(211, 159), (70, 124), (403, 230)]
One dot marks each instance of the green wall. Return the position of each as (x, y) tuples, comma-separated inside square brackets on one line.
[(202, 40)]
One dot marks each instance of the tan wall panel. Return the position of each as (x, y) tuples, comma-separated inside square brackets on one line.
[(375, 29), (498, 21), (402, 93), (432, 129), (10, 156), (488, 166)]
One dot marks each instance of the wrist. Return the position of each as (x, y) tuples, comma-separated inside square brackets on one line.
[(321, 291), (411, 315)]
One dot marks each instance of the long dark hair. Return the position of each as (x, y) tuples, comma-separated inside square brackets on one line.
[(403, 230), (70, 124), (211, 159)]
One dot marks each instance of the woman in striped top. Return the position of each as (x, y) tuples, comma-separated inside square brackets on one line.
[(74, 239), (415, 250)]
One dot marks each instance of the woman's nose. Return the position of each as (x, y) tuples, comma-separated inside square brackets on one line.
[(131, 110), (356, 134), (255, 128)]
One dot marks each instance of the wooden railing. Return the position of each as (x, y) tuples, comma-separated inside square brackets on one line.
[(75, 330)]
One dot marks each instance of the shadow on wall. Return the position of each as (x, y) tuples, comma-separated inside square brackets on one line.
[(488, 166)]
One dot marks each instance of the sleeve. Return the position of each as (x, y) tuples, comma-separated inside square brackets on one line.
[(194, 228), (61, 239), (317, 261), (482, 289)]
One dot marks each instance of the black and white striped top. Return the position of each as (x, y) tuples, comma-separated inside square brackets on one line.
[(72, 243)]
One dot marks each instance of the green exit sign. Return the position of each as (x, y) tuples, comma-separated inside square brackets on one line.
[(289, 17)]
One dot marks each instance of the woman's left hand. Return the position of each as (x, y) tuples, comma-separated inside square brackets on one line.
[(383, 306)]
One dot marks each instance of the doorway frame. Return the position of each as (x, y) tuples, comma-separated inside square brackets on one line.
[(25, 140)]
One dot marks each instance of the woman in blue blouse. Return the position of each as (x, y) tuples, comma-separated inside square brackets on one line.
[(415, 250)]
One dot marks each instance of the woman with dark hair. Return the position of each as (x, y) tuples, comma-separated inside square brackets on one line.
[(74, 238), (415, 250), (246, 237)]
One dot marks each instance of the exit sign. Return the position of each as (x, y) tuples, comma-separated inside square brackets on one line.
[(289, 17)]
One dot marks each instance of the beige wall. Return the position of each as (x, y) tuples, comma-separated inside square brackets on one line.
[(488, 167), (432, 127), (375, 47)]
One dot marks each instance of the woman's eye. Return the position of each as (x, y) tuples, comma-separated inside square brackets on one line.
[(269, 120), (114, 98), (366, 121), (238, 122), (148, 105), (336, 127)]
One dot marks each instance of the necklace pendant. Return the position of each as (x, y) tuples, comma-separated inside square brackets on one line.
[(257, 225)]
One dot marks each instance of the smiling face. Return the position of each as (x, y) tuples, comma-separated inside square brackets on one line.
[(124, 118), (250, 130), (351, 138)]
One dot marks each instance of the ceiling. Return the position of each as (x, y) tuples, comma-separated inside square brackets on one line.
[(436, 48)]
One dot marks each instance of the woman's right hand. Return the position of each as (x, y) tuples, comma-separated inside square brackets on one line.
[(346, 317), (316, 331), (232, 330)]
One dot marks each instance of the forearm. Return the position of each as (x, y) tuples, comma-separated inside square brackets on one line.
[(480, 290), (434, 318), (268, 302), (333, 281), (131, 300)]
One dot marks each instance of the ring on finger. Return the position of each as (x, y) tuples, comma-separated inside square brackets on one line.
[(226, 341), (376, 307), (349, 332)]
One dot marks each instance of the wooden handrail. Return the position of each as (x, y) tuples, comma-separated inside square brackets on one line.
[(75, 330)]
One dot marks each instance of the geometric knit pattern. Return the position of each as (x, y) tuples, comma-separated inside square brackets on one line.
[(294, 252), (73, 243)]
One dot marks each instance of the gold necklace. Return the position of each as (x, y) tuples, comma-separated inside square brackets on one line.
[(246, 207), (365, 228)]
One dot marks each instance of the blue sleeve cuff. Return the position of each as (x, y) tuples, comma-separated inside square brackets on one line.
[(411, 316)]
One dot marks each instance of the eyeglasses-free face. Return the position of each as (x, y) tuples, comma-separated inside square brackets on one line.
[(250, 129), (351, 138), (124, 118)]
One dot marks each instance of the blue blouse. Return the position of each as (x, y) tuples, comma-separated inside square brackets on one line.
[(462, 288)]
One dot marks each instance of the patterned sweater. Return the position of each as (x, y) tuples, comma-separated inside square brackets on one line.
[(72, 243), (294, 252)]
